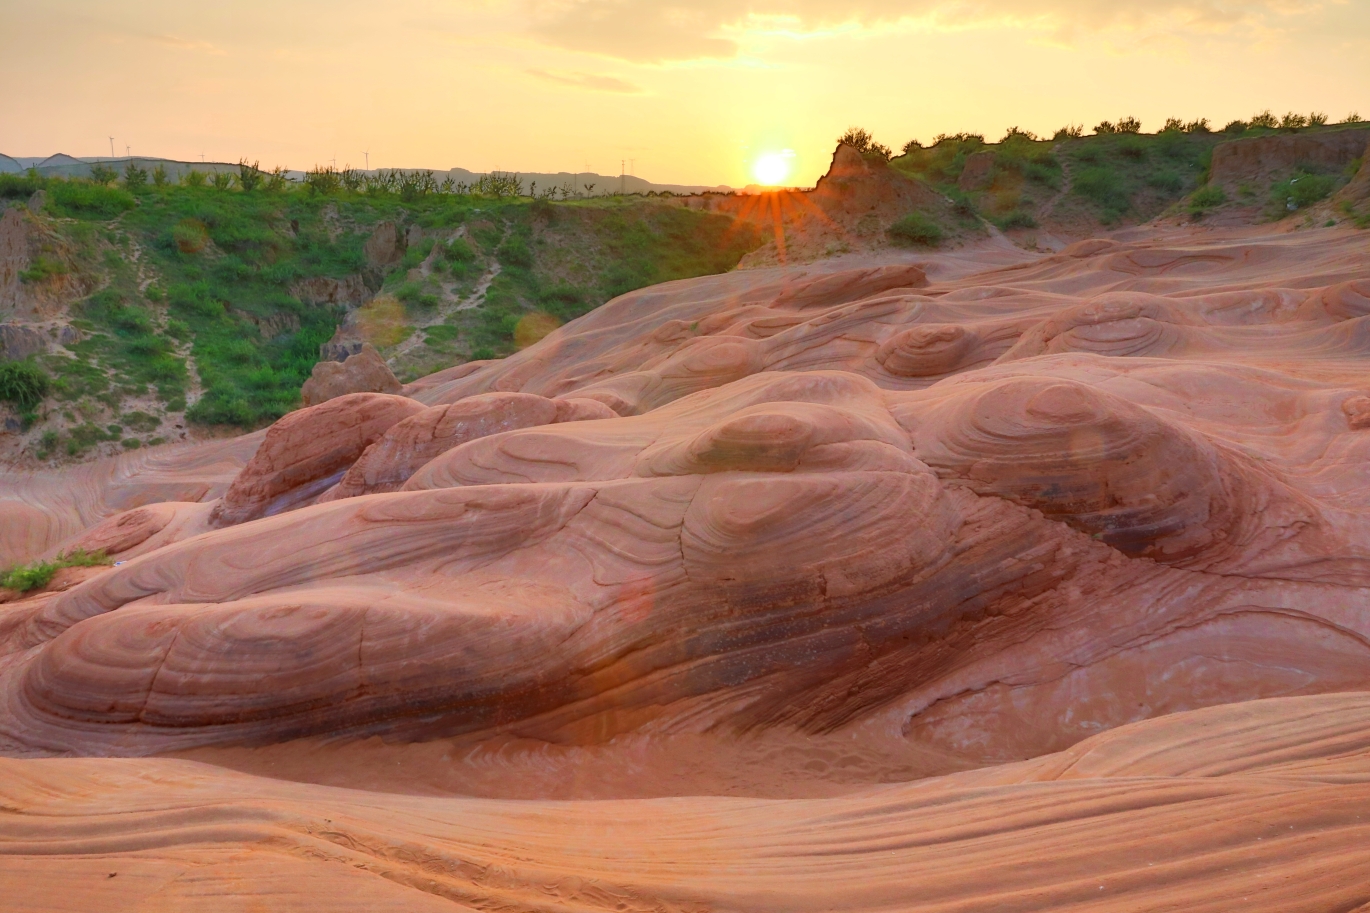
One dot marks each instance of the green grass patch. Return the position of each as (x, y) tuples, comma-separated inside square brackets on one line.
[(1106, 189), (1205, 199), (1303, 189), (916, 230), (38, 574), (23, 384)]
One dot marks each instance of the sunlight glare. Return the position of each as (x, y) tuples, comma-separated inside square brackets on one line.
[(772, 168)]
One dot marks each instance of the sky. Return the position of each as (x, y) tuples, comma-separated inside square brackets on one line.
[(690, 91)]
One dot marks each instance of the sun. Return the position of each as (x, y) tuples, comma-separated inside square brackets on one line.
[(772, 168)]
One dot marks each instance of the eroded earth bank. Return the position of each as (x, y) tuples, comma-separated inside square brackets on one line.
[(981, 580)]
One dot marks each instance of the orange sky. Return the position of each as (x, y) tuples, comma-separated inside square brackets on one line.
[(693, 91)]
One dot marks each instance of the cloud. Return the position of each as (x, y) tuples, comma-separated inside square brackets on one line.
[(592, 81), (646, 31), (182, 44)]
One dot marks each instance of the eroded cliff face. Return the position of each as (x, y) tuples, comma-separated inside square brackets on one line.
[(1263, 158)]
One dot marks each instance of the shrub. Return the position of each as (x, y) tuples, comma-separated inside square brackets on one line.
[(14, 187), (440, 334), (159, 177), (83, 199), (1069, 131), (1173, 125), (1206, 198), (1166, 181), (23, 383), (1264, 120), (140, 421), (516, 253), (323, 180), (194, 178), (38, 574), (1105, 188), (861, 140), (1303, 189), (1198, 126), (1236, 126), (43, 267), (249, 176), (1016, 219), (103, 174), (1132, 147), (135, 178), (1317, 119), (190, 236), (916, 229), (412, 293), (222, 180), (1129, 125), (1292, 121)]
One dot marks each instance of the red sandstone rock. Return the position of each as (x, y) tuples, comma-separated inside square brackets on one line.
[(307, 451), (840, 529), (408, 445), (364, 372)]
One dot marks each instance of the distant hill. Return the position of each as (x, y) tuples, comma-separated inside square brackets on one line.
[(67, 166), (578, 182)]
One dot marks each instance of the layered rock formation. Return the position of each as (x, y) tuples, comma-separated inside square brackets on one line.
[(788, 533)]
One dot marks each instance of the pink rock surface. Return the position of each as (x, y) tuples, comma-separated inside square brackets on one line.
[(783, 533), (307, 451)]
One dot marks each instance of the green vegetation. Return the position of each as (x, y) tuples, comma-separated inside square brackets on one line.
[(209, 272), (916, 229), (44, 267), (1205, 199), (23, 384), (1117, 173), (1135, 175), (38, 574), (1304, 188)]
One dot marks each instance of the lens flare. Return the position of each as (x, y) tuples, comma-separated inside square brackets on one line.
[(772, 168)]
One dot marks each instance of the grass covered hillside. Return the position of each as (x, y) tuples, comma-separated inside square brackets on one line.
[(1075, 182), (205, 302)]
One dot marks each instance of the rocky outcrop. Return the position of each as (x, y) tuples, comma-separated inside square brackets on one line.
[(306, 452), (18, 341), (14, 259), (978, 171), (851, 208), (866, 195), (1357, 192), (409, 445), (385, 246), (1264, 158), (350, 292), (363, 372), (341, 345)]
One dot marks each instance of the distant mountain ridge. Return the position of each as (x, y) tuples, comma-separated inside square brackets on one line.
[(63, 165)]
